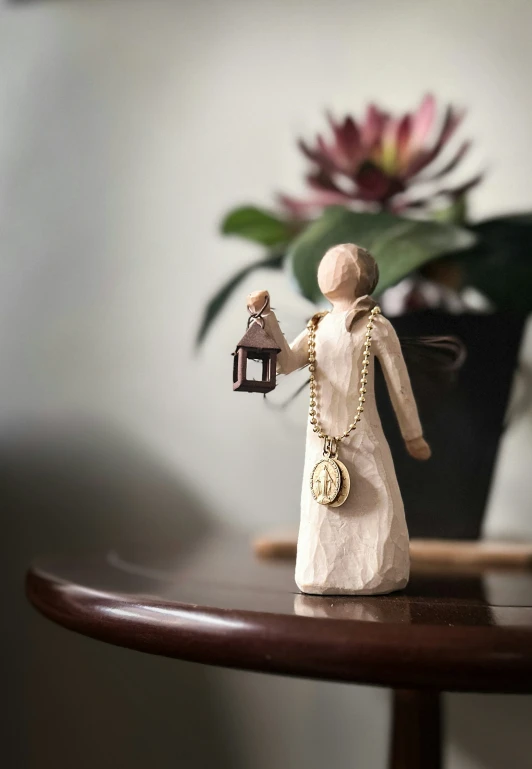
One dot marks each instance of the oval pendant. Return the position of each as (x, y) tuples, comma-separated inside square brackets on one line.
[(345, 485), (325, 481)]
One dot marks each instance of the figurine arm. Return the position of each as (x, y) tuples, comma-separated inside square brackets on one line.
[(388, 351), (291, 357)]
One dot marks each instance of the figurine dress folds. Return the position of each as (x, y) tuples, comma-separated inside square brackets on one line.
[(361, 547)]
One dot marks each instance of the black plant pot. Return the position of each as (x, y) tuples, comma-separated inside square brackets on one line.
[(446, 496)]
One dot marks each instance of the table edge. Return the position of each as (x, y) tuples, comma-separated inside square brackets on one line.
[(463, 659)]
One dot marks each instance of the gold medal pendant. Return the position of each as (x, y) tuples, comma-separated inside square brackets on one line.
[(326, 481), (329, 481)]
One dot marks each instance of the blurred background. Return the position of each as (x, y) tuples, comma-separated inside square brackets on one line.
[(127, 129)]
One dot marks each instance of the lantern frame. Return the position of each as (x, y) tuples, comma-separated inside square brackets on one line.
[(256, 344)]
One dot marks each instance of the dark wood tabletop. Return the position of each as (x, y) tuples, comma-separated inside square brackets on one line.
[(216, 603)]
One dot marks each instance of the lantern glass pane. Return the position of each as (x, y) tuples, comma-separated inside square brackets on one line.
[(255, 370)]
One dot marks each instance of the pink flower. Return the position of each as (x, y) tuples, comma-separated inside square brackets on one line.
[(372, 164)]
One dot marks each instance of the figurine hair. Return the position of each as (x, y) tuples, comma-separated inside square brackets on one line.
[(367, 269)]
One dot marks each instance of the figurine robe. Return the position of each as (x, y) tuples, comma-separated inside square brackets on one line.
[(362, 547)]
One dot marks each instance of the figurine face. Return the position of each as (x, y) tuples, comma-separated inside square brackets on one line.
[(347, 272), (338, 273)]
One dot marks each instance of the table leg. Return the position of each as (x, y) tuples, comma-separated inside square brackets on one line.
[(416, 730)]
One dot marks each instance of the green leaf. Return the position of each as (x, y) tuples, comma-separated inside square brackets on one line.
[(455, 213), (216, 304), (257, 225), (500, 265), (399, 245)]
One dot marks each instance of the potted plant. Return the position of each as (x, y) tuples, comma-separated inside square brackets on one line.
[(382, 182)]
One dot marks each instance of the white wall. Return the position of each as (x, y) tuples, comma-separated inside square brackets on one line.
[(126, 130)]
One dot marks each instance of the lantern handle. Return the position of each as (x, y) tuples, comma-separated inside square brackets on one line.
[(256, 317)]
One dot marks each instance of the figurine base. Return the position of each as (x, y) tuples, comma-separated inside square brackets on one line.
[(318, 590)]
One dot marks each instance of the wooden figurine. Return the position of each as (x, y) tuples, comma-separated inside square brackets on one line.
[(353, 538)]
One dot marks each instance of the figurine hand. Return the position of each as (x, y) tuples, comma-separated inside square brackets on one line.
[(257, 300), (418, 448)]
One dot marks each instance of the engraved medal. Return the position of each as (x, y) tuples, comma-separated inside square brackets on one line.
[(325, 481)]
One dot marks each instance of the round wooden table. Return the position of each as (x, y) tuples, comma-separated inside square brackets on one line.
[(217, 604)]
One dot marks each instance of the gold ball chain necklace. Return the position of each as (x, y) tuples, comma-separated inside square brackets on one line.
[(329, 482)]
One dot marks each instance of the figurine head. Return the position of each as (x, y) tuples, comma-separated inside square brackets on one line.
[(347, 272)]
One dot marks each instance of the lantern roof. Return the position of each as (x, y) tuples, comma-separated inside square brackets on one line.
[(256, 338)]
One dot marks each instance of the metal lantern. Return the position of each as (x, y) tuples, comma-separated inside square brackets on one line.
[(256, 344)]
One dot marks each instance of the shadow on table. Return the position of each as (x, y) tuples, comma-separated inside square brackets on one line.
[(84, 703)]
